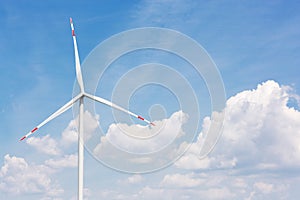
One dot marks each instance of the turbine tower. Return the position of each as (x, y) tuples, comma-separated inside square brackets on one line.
[(80, 97)]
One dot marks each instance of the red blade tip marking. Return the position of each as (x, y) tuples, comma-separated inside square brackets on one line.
[(71, 21), (141, 118), (73, 33), (34, 129), (22, 138)]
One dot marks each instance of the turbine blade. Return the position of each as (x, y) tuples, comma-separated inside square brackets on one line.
[(54, 115), (77, 60), (111, 104)]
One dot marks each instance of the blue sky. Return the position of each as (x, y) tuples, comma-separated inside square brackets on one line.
[(251, 42)]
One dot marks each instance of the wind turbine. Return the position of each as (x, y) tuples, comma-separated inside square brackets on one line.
[(80, 97)]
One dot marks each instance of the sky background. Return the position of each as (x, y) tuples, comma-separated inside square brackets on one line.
[(255, 45)]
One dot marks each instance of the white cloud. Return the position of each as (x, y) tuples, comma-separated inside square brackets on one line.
[(260, 131), (144, 139), (139, 148), (65, 162), (19, 177), (44, 144)]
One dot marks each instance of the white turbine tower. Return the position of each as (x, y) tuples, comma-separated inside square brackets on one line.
[(68, 105)]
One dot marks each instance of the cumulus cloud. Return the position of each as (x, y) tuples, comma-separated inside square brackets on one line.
[(144, 139), (260, 131), (44, 144), (136, 148), (18, 177)]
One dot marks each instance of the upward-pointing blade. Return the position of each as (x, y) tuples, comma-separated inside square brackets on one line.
[(54, 115), (77, 61), (111, 104)]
